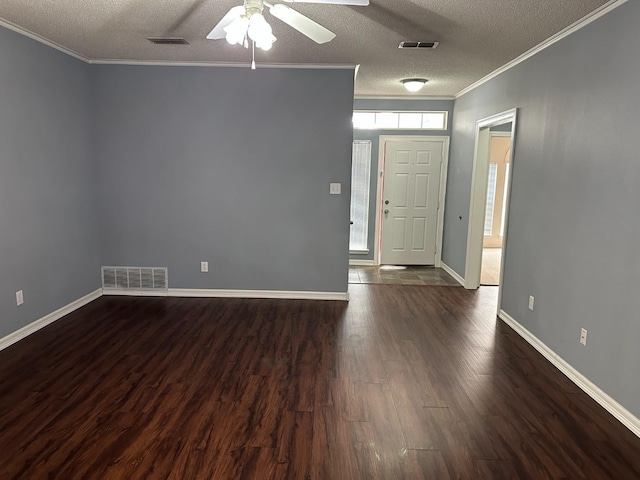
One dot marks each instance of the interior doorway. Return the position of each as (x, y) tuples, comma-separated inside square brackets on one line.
[(495, 211), (478, 204)]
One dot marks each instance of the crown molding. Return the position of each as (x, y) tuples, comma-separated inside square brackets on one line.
[(583, 22), (401, 97), (165, 63), (596, 14), (45, 41)]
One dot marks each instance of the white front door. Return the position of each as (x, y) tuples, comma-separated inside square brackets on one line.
[(410, 197)]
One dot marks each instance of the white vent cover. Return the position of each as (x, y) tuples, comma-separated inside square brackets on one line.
[(135, 278)]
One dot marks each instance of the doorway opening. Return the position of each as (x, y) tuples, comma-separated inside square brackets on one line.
[(489, 209), (495, 212)]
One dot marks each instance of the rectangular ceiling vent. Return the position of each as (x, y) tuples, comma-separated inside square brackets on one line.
[(168, 40), (427, 45), (135, 278)]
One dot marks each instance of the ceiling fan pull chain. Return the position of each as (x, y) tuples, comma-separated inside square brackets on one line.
[(253, 55)]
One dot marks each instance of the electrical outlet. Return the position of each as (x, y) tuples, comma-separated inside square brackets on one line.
[(583, 337), (531, 300), (19, 297), (204, 266)]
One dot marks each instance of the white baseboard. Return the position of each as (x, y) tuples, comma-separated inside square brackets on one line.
[(361, 263), (453, 273), (172, 292), (222, 293), (625, 417), (131, 292), (48, 319), (282, 294)]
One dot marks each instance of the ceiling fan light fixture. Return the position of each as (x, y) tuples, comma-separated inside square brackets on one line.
[(266, 43), (414, 84), (236, 31), (258, 27), (260, 32)]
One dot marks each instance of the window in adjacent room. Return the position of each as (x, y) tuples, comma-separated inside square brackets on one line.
[(491, 198)]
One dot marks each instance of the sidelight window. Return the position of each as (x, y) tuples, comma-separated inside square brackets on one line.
[(360, 185)]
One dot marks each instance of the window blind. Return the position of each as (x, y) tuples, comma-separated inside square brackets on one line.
[(360, 181)]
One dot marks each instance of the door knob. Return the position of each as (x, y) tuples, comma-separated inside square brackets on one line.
[(386, 202), (386, 212)]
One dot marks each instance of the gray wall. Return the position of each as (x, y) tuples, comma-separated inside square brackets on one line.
[(573, 233), (227, 165), (48, 242), (374, 137)]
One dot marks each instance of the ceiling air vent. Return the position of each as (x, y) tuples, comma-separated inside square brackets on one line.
[(168, 40), (427, 45)]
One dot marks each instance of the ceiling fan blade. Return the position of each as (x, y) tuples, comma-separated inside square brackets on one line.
[(218, 31), (360, 3), (304, 25)]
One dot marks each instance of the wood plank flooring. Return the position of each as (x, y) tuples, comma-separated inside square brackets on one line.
[(404, 382)]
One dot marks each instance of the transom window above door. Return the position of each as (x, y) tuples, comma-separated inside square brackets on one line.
[(387, 120)]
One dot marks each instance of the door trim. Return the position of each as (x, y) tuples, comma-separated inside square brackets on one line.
[(383, 139), (477, 207)]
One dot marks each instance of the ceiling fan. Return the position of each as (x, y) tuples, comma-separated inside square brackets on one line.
[(246, 22)]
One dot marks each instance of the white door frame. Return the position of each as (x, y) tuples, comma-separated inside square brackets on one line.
[(500, 134), (379, 184), (477, 207)]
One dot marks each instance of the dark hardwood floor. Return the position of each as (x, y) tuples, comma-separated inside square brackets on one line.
[(404, 382)]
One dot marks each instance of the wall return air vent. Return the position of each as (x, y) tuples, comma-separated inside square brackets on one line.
[(135, 278)]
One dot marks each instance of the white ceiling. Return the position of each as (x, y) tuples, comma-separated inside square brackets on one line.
[(476, 36)]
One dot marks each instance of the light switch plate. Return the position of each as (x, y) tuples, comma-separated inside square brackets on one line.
[(204, 266), (335, 188)]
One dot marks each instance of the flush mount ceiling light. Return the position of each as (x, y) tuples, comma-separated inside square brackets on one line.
[(414, 84)]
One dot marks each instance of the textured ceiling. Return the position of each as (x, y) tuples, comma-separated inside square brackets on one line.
[(476, 36)]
